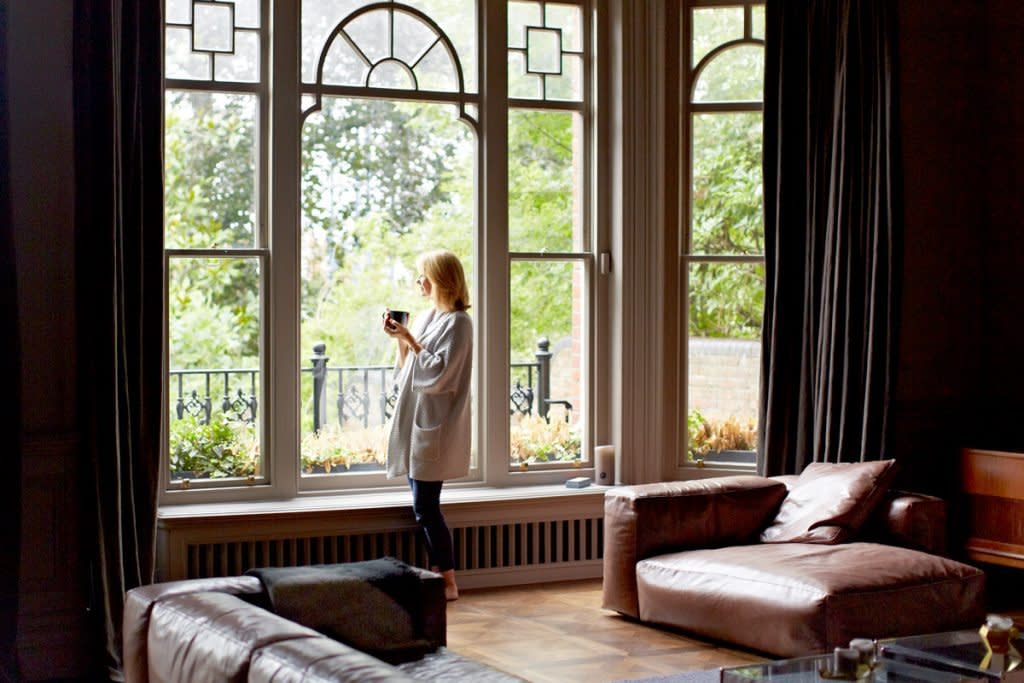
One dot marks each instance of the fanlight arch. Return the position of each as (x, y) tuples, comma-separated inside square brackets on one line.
[(714, 55), (382, 74)]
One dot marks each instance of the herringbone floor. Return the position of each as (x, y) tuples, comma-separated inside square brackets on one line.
[(558, 633)]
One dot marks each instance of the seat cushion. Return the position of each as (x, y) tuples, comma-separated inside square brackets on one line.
[(799, 598)]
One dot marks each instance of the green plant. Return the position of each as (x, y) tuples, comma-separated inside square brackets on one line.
[(334, 448), (535, 439), (707, 435), (325, 449), (216, 449)]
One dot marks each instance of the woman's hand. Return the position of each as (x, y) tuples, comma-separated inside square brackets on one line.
[(401, 334)]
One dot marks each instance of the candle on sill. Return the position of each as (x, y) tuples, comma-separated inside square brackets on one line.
[(604, 465)]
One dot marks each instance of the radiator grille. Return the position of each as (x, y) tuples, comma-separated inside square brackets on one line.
[(483, 547)]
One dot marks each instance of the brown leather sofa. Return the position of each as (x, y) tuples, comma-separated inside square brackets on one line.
[(689, 555), (220, 630)]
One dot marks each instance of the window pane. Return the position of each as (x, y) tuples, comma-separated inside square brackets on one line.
[(713, 26), (214, 350), (736, 74), (545, 181), (180, 61), (547, 403), (210, 154), (757, 19), (373, 35), (212, 40), (545, 46), (568, 85), (381, 182), (243, 64), (569, 19), (726, 197), (724, 359)]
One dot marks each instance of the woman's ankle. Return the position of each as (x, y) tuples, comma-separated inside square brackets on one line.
[(451, 589)]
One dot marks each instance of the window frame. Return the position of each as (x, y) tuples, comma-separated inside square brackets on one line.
[(277, 247), (688, 110)]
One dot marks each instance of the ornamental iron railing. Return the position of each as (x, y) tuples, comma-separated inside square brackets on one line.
[(363, 394)]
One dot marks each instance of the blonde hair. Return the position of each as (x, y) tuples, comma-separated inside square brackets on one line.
[(445, 272)]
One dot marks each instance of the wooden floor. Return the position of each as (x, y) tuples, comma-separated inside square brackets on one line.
[(558, 633)]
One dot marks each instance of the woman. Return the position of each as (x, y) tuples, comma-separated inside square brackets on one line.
[(429, 439)]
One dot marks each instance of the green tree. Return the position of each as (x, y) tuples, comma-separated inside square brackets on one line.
[(727, 300)]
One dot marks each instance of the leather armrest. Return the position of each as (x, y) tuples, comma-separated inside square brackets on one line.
[(138, 605), (912, 520), (650, 519)]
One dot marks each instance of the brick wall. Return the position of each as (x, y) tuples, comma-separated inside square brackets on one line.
[(724, 375)]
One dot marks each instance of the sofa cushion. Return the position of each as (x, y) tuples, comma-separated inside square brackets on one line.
[(319, 660), (793, 599), (376, 606), (830, 502)]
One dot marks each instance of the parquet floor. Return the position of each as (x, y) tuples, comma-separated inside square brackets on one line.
[(558, 633)]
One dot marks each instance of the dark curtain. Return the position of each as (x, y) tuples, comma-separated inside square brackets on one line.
[(10, 395), (832, 232), (119, 264)]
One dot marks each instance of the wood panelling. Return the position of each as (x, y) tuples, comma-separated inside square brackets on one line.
[(51, 639), (993, 482)]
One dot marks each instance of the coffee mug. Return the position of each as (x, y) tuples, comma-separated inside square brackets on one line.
[(400, 317)]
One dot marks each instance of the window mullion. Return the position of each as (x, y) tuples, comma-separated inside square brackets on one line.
[(281, 331), (492, 248)]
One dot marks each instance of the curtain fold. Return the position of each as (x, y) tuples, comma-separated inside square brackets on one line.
[(833, 223), (119, 267)]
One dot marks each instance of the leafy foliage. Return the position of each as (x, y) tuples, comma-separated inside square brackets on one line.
[(535, 439), (335, 449), (215, 450), (727, 300)]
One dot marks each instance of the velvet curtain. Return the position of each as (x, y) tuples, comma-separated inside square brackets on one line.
[(832, 232), (119, 265)]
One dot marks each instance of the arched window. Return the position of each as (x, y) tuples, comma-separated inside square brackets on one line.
[(724, 234)]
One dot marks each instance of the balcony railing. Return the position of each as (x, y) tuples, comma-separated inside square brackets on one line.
[(361, 394)]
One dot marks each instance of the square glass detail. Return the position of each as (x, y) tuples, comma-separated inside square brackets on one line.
[(543, 50), (213, 28)]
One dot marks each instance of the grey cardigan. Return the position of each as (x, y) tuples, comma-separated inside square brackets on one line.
[(429, 436)]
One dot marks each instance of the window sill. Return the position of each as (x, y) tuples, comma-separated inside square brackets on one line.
[(451, 497)]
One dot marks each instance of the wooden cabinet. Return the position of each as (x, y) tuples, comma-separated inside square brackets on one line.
[(993, 484)]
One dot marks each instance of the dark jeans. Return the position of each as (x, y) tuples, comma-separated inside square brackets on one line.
[(426, 505)]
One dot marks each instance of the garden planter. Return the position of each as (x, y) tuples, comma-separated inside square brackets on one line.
[(365, 467)]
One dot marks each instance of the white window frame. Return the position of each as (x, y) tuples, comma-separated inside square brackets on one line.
[(278, 251)]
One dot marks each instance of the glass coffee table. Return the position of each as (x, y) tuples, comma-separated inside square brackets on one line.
[(940, 657), (961, 652), (816, 668)]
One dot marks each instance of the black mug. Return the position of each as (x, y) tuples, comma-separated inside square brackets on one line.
[(400, 317)]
